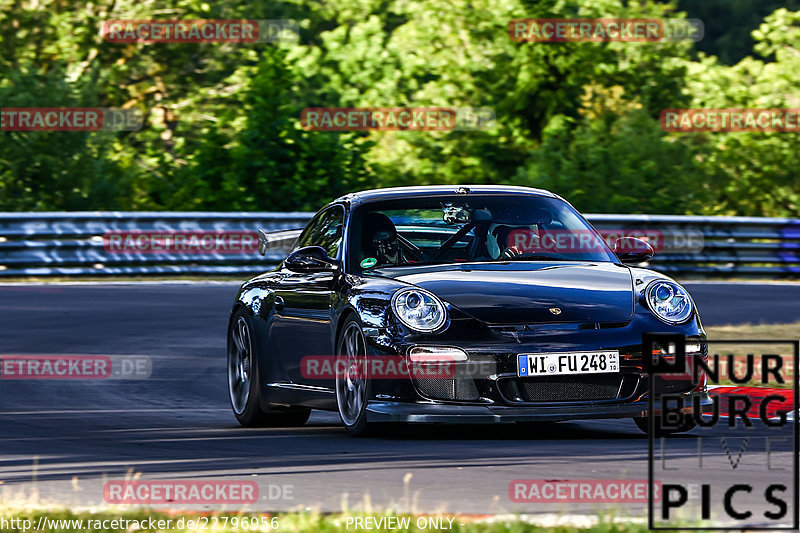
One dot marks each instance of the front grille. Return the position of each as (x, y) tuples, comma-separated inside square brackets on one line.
[(459, 387), (568, 388)]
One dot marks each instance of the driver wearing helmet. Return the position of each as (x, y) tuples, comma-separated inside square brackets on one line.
[(380, 240), (504, 241)]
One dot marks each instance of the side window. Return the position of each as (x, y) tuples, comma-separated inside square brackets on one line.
[(325, 231)]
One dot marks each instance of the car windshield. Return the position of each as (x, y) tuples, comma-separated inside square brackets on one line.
[(479, 228)]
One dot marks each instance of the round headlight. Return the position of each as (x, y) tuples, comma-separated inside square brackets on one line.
[(669, 302), (419, 310)]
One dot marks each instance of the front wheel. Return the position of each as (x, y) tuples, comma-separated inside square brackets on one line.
[(243, 381), (352, 381)]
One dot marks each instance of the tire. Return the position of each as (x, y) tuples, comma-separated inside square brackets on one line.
[(353, 390), (244, 391), (643, 423)]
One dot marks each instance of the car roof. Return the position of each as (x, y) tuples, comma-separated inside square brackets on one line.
[(393, 193)]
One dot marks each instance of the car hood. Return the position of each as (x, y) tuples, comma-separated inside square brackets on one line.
[(525, 292)]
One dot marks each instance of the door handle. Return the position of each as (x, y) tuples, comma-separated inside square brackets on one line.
[(279, 303)]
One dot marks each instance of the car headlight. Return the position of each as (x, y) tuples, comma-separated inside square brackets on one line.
[(419, 309), (669, 302)]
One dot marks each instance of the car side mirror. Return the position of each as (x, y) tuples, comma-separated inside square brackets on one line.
[(310, 259), (630, 250)]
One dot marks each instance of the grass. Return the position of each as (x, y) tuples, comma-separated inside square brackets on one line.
[(148, 520), (756, 332)]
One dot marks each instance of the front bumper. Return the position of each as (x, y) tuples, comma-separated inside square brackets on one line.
[(499, 395), (387, 411)]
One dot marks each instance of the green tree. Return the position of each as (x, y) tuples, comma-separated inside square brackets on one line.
[(269, 161)]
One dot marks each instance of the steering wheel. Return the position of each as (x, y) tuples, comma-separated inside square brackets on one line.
[(412, 248), (513, 251)]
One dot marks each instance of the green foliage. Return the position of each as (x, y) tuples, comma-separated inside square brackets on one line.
[(728, 25), (268, 159), (625, 156), (222, 121)]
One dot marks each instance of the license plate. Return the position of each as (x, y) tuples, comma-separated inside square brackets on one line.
[(551, 364)]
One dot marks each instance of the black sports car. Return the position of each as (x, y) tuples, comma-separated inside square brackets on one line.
[(452, 304)]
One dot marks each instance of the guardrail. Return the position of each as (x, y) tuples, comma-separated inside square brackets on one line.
[(740, 246), (77, 243)]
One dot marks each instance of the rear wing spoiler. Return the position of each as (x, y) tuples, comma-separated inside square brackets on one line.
[(277, 241)]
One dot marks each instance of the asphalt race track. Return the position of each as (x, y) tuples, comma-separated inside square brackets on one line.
[(61, 440)]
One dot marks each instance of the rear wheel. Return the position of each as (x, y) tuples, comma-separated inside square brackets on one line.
[(352, 381), (643, 423), (243, 381)]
